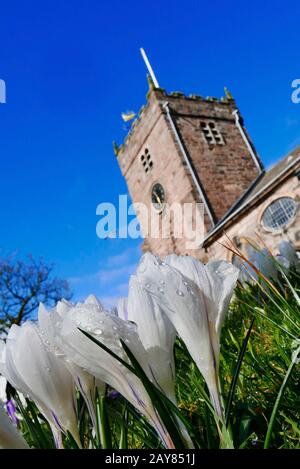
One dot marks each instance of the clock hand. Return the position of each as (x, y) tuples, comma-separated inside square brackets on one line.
[(157, 197)]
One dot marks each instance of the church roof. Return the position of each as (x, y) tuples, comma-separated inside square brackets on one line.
[(275, 171), (266, 183)]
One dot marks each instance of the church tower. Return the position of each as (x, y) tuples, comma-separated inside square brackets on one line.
[(188, 149)]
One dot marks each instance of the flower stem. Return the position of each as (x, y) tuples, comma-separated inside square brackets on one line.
[(103, 427)]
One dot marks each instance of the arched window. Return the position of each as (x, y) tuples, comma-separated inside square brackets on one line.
[(279, 213)]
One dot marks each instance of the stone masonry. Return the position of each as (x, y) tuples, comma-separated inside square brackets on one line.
[(220, 159)]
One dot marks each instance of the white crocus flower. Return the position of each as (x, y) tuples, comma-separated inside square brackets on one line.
[(108, 329), (247, 273), (288, 252), (264, 262), (10, 438), (3, 383), (50, 323), (157, 335), (195, 298), (39, 374)]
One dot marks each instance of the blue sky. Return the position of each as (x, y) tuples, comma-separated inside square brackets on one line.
[(72, 67)]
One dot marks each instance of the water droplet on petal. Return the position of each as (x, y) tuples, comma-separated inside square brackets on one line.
[(162, 282), (161, 290), (179, 293), (97, 331)]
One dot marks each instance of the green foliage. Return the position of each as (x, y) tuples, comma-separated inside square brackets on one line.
[(259, 378), (265, 364), (270, 317)]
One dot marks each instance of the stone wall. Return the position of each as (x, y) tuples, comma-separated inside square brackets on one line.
[(224, 171), (250, 226)]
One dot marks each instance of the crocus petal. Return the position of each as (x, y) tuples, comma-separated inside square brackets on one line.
[(215, 280), (3, 382), (247, 273), (49, 324), (186, 307), (93, 300), (157, 335), (12, 412), (108, 329), (223, 277), (195, 298), (288, 252), (264, 262), (36, 372), (122, 309), (10, 438), (62, 307), (283, 261)]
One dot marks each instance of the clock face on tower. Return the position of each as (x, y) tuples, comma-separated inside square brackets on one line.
[(158, 197)]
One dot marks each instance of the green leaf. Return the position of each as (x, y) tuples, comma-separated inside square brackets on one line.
[(155, 395), (236, 374), (279, 398), (103, 424), (164, 413), (123, 444)]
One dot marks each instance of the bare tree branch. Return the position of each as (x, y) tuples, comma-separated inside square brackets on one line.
[(25, 284)]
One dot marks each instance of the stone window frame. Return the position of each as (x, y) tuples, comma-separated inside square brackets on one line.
[(211, 133), (268, 202), (146, 160)]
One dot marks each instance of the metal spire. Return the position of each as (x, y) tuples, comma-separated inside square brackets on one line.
[(150, 70)]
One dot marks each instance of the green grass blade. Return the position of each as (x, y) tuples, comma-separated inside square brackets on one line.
[(278, 399), (166, 416), (103, 423), (123, 443), (38, 440), (106, 349), (236, 374), (164, 413)]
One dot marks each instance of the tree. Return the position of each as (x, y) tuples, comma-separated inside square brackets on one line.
[(25, 284)]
